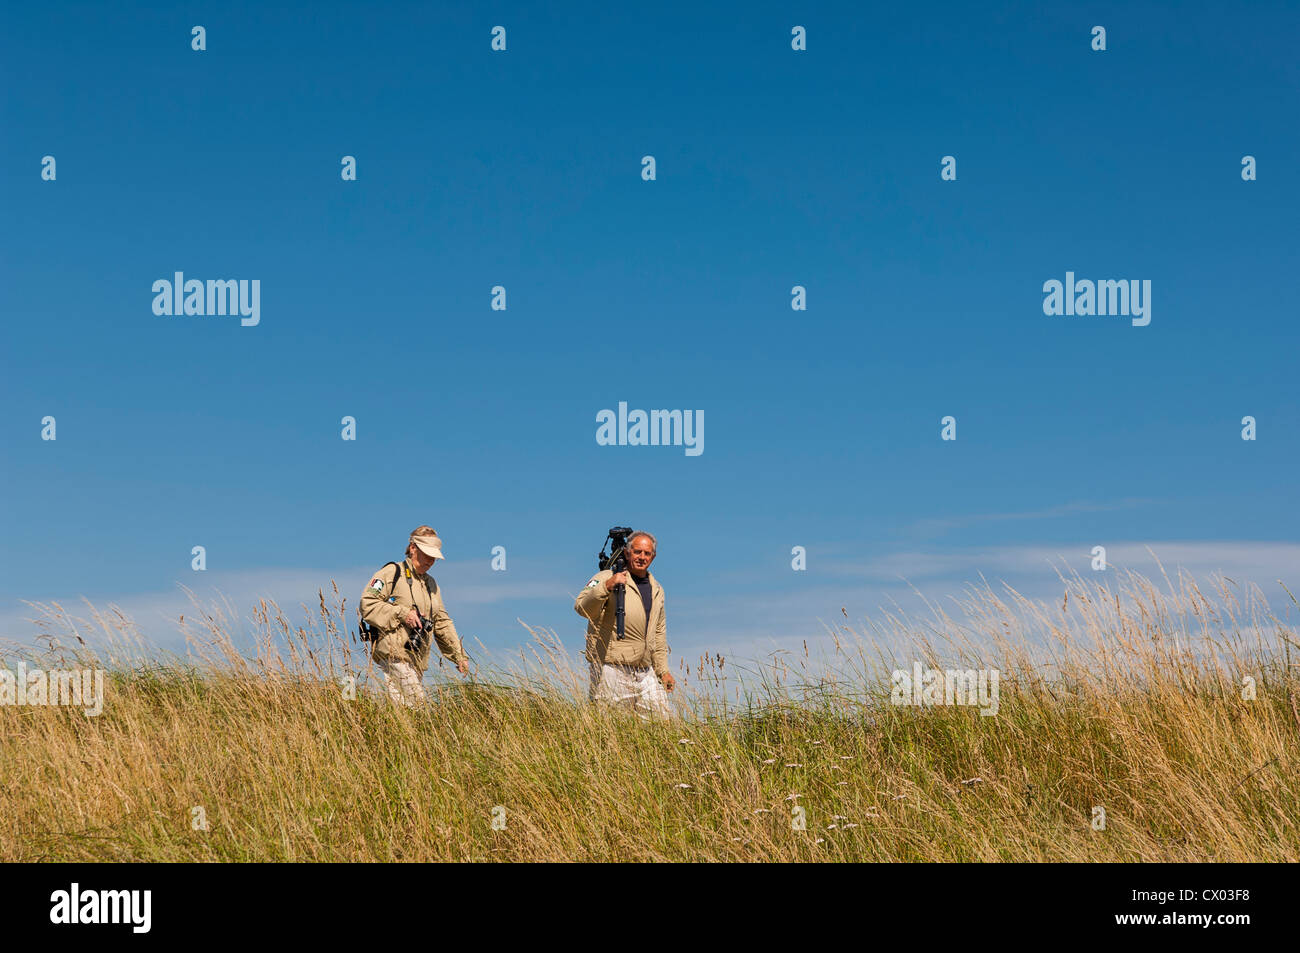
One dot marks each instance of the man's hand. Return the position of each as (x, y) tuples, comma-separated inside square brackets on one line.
[(614, 580), (412, 620), (463, 666), (668, 681)]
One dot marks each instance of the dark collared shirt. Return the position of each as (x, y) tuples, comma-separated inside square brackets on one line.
[(643, 584)]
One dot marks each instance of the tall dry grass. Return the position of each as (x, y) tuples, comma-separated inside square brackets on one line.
[(1126, 698)]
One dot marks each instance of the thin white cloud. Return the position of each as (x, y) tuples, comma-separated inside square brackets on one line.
[(750, 619), (1256, 562), (939, 526), (753, 624), (157, 613)]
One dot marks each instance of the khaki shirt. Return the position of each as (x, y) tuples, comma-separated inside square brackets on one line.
[(409, 588), (596, 604)]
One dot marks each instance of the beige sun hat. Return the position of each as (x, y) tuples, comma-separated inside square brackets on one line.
[(430, 545)]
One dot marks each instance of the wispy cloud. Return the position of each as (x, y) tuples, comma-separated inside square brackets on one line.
[(750, 617), (1257, 562), (781, 614), (939, 526), (156, 613)]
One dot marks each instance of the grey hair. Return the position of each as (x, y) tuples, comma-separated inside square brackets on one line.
[(650, 536)]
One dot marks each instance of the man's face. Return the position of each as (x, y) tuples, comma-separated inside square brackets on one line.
[(640, 554)]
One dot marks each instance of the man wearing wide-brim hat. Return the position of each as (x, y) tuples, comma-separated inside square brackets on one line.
[(402, 606)]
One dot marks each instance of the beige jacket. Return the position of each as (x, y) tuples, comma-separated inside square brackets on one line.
[(407, 588), (596, 604)]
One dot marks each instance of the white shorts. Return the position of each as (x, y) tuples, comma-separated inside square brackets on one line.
[(404, 683), (629, 686)]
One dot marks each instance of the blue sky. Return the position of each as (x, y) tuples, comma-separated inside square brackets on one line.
[(775, 168)]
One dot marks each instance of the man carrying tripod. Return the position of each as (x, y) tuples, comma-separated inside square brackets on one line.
[(402, 612), (628, 651)]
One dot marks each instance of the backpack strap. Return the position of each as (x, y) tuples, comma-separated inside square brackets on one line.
[(368, 632), (396, 576)]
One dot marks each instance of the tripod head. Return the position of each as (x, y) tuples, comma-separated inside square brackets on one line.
[(617, 558)]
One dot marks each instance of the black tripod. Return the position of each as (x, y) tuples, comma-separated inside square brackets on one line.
[(617, 561)]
